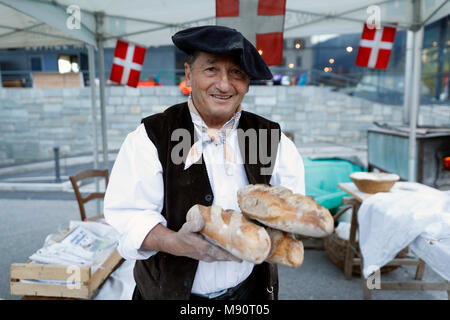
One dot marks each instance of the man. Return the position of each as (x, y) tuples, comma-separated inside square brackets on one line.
[(198, 152)]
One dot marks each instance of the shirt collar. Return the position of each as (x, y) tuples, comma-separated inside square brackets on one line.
[(197, 119)]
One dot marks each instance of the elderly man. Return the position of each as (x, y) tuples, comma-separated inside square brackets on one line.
[(154, 182)]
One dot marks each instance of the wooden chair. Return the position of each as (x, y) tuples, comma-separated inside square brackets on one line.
[(82, 175)]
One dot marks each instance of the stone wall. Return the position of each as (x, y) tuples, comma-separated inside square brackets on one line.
[(33, 121)]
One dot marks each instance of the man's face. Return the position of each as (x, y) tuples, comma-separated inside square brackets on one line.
[(218, 86)]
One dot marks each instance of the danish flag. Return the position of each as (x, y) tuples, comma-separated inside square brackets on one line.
[(260, 21), (375, 47), (127, 63)]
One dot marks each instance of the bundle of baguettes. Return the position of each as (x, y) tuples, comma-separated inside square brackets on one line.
[(231, 231), (246, 240), (285, 249), (279, 208)]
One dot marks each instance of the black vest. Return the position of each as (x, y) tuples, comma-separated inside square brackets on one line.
[(164, 276)]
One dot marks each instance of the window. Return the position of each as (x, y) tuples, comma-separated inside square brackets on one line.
[(68, 64), (36, 63)]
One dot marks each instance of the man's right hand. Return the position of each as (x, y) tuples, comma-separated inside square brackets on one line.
[(186, 242)]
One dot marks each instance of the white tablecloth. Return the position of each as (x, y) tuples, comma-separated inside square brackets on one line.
[(410, 214), (119, 285)]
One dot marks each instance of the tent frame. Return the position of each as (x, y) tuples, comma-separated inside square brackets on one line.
[(98, 37)]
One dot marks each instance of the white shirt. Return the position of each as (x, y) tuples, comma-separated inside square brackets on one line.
[(134, 198)]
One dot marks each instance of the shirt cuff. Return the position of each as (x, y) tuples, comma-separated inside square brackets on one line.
[(130, 242)]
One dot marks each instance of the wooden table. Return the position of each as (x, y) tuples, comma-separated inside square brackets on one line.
[(356, 199)]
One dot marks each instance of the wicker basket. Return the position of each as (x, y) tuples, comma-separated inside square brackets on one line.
[(373, 182), (336, 248)]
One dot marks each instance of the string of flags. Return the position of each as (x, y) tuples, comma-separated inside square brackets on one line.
[(262, 23)]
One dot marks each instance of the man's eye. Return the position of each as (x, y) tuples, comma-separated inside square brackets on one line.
[(238, 73), (211, 69)]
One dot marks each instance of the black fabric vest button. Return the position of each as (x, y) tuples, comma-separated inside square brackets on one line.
[(208, 197)]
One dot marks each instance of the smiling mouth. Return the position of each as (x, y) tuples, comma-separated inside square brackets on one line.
[(221, 96)]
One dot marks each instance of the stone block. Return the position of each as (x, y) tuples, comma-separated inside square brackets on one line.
[(133, 92), (148, 100), (18, 113), (114, 100), (333, 126), (167, 100), (300, 116), (263, 109), (130, 100), (52, 108), (115, 91), (270, 101), (282, 94), (147, 91), (264, 91), (136, 110)]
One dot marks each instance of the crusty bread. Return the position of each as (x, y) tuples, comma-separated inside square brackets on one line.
[(279, 208), (231, 231), (285, 249)]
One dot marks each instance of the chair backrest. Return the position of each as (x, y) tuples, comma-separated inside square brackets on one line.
[(82, 175)]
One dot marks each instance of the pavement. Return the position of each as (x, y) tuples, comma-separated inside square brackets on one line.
[(32, 207)]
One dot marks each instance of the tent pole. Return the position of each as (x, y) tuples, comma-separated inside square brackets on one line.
[(415, 85), (408, 75), (101, 76), (93, 102), (94, 116), (415, 101)]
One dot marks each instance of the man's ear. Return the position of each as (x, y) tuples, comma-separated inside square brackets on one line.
[(187, 73)]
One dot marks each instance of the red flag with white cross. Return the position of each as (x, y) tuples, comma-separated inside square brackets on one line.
[(375, 47), (127, 63), (260, 21)]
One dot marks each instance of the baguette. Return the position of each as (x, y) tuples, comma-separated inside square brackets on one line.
[(285, 249), (279, 208), (231, 231)]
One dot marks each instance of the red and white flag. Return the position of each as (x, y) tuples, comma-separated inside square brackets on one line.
[(260, 21), (127, 63), (375, 47)]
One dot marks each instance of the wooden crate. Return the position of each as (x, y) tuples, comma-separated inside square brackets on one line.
[(34, 271)]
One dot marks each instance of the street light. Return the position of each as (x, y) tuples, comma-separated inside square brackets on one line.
[(349, 49)]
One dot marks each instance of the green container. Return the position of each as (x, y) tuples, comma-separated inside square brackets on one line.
[(322, 177)]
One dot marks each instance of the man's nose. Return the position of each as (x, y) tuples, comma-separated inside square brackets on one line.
[(223, 82)]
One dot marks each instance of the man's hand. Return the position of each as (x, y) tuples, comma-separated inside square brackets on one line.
[(201, 249), (186, 242)]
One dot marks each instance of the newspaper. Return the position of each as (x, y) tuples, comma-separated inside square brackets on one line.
[(86, 244)]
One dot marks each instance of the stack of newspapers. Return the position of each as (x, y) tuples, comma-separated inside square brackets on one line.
[(86, 244)]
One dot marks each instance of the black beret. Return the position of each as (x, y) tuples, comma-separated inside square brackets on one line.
[(219, 40)]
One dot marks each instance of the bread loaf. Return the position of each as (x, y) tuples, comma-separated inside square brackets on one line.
[(285, 249), (279, 208), (231, 231)]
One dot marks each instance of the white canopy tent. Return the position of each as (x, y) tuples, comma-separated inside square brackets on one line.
[(25, 23)]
